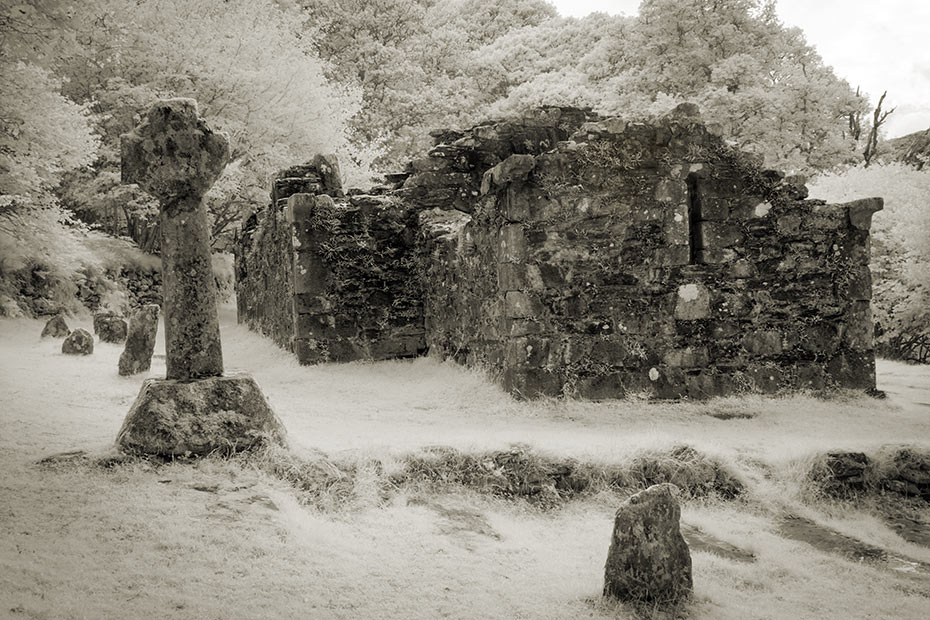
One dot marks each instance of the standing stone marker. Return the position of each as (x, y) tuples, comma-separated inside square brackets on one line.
[(649, 560), (140, 343), (174, 156)]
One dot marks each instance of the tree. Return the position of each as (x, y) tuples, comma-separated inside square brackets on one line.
[(761, 82), (878, 119), (249, 64), (412, 61), (42, 135)]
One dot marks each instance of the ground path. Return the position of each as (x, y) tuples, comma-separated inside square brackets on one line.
[(214, 541)]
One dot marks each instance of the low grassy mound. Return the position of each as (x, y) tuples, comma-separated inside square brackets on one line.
[(520, 472), (898, 470)]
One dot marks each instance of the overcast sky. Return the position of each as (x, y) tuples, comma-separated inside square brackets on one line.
[(878, 44)]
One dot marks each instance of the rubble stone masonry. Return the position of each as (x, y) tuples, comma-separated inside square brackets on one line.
[(571, 254)]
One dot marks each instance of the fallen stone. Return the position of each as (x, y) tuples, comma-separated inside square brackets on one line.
[(110, 327), (649, 560), (78, 342), (56, 328), (194, 418), (140, 343)]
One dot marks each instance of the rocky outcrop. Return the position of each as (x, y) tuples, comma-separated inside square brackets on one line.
[(912, 149)]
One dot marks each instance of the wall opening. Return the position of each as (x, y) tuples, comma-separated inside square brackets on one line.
[(694, 219)]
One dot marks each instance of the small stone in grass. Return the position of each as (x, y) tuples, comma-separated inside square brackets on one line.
[(110, 327), (56, 327), (79, 342)]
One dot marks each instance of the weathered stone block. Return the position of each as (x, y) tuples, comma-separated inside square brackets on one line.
[(531, 382), (308, 303), (328, 168), (648, 559), (716, 256), (513, 168), (810, 377), (763, 342), (520, 305), (310, 274), (520, 327), (140, 341), (512, 244), (766, 378), (712, 235), (184, 418), (516, 206), (861, 211), (671, 255), (78, 342), (670, 190), (855, 284), (859, 326), (714, 208), (852, 369), (56, 327), (689, 357), (511, 276), (608, 350), (819, 338), (788, 225), (692, 302)]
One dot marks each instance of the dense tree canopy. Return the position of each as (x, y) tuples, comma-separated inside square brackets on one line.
[(289, 78)]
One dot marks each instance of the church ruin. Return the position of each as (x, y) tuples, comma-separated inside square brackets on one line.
[(571, 254)]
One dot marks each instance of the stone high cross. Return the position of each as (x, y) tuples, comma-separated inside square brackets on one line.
[(174, 156), (195, 410)]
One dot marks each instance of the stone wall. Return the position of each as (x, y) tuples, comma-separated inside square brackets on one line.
[(568, 254), (330, 277)]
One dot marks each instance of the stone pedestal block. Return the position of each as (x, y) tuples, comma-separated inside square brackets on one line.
[(194, 418)]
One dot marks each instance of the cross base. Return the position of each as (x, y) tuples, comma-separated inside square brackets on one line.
[(195, 418)]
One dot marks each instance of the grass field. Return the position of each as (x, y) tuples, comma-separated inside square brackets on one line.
[(233, 539)]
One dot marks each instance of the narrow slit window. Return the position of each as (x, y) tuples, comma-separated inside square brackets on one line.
[(694, 220)]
